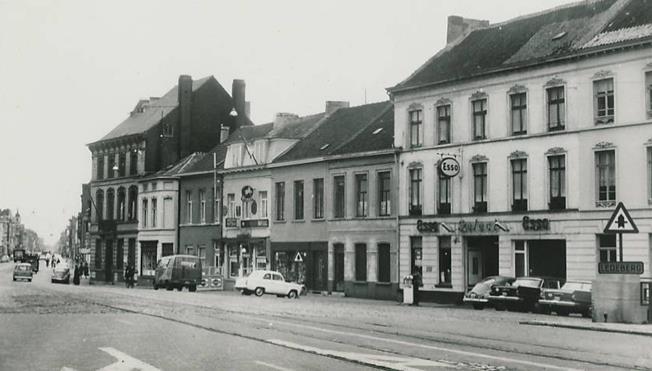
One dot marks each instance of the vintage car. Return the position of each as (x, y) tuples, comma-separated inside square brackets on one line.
[(268, 282), (4, 259), (23, 271), (61, 274), (573, 297), (478, 295), (178, 271), (523, 294)]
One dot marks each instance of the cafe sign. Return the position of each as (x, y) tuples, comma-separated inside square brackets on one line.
[(449, 167)]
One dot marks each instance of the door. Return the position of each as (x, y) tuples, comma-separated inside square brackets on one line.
[(108, 258), (338, 268), (320, 270), (474, 267)]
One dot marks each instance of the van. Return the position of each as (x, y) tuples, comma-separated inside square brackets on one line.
[(177, 271)]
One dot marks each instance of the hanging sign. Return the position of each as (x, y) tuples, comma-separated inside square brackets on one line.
[(247, 192), (449, 167)]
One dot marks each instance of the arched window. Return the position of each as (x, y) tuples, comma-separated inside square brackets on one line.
[(121, 203), (99, 203), (110, 199), (133, 199)]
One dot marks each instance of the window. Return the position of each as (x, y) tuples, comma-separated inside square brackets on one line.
[(202, 206), (519, 259), (168, 213), (144, 213), (217, 212), (360, 262), (230, 199), (189, 207), (557, 168), (384, 193), (480, 187), (416, 131), (262, 197), (133, 198), (201, 252), (318, 198), (339, 196), (280, 201), (154, 212), (121, 203), (166, 131), (298, 200), (648, 91), (362, 194), (444, 124), (606, 177), (122, 164), (444, 195), (99, 200), (100, 167), (416, 250), (556, 108), (190, 250), (98, 254), (110, 199), (519, 184), (607, 248), (384, 265), (112, 172), (649, 173), (415, 207), (479, 118), (119, 254), (603, 91), (133, 162), (445, 261), (519, 113)]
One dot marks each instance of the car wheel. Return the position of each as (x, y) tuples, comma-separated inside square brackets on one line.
[(478, 306), (29, 280), (14, 278), (168, 287), (279, 295), (259, 291), (293, 295), (499, 307), (192, 288)]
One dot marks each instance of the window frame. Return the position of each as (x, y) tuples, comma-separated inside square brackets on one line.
[(384, 195), (299, 200), (445, 280), (604, 246), (361, 195), (279, 191), (110, 204), (202, 206), (339, 197), (415, 185), (558, 102), (557, 202), (360, 251), (522, 112), (647, 78), (145, 212), (518, 168), (415, 122), (444, 119), (189, 211), (100, 167), (480, 204), (384, 264), (262, 197), (608, 201), (648, 151), (479, 115), (318, 198), (605, 96), (133, 162)]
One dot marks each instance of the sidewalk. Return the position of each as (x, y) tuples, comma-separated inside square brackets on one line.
[(583, 324)]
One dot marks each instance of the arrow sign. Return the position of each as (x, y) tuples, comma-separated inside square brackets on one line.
[(298, 258), (621, 221)]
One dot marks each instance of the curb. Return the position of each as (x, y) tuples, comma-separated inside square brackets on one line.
[(586, 328)]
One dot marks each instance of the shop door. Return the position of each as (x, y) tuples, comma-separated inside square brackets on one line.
[(338, 268), (108, 258), (474, 267), (481, 258), (547, 258), (319, 270)]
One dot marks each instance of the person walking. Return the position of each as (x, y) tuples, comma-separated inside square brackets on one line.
[(76, 274), (84, 268), (416, 283), (129, 276)]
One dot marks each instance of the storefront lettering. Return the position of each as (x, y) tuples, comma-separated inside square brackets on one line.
[(462, 226), (427, 226), (536, 224)]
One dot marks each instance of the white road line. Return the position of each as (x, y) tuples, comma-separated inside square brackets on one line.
[(401, 342), (275, 367), (125, 362)]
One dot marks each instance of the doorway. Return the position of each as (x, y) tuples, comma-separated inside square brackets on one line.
[(108, 258), (481, 258), (547, 258), (319, 270), (338, 279)]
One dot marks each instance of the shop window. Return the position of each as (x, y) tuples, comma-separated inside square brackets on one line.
[(280, 200), (318, 198), (479, 118), (384, 194), (519, 259), (416, 250), (189, 207), (167, 249), (416, 128), (557, 169), (605, 177), (234, 267), (444, 195), (148, 260), (230, 200), (518, 113), (298, 200), (119, 254), (98, 254), (100, 167), (384, 265), (480, 187), (603, 102), (339, 199), (416, 179), (445, 266), (444, 124), (110, 199), (556, 108), (202, 206), (607, 248), (262, 197), (360, 262), (362, 195), (144, 213), (131, 252), (645, 293), (519, 185)]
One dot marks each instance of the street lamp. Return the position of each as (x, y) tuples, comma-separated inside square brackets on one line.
[(233, 112)]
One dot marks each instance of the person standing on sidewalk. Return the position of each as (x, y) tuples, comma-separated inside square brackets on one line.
[(76, 274), (416, 283), (129, 276)]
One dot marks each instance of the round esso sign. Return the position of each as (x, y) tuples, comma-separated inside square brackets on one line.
[(448, 166)]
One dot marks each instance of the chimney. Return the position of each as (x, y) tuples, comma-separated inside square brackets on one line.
[(247, 108), (224, 133), (283, 118), (185, 126), (334, 105), (238, 95), (459, 26)]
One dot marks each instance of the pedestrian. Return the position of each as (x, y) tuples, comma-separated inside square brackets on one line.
[(416, 283), (129, 276), (76, 274), (54, 263), (84, 267)]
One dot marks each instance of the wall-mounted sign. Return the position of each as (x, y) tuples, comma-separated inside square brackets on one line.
[(231, 222), (449, 167), (462, 226), (247, 192), (254, 223), (254, 207), (620, 267), (536, 224)]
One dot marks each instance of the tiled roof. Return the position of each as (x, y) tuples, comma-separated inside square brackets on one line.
[(333, 131), (298, 128), (377, 136), (179, 167), (250, 133), (536, 38), (155, 110)]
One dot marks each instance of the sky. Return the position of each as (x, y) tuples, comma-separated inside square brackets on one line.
[(70, 71)]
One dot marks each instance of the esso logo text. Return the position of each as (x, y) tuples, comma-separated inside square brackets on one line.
[(448, 166)]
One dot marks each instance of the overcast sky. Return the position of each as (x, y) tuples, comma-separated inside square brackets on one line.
[(70, 71)]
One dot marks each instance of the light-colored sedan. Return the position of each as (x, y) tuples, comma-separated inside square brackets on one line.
[(23, 271), (268, 282)]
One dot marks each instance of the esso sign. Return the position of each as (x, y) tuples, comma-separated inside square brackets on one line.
[(448, 166)]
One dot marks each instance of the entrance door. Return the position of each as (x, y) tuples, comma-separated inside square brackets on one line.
[(474, 267), (338, 268), (319, 270), (547, 258), (108, 258), (481, 258)]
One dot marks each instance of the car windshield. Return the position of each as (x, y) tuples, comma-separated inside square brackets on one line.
[(573, 286), (526, 282), (23, 267)]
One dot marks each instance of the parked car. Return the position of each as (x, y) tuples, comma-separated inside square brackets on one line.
[(268, 282), (478, 295), (61, 273), (522, 294), (573, 297), (23, 271), (178, 271), (4, 259)]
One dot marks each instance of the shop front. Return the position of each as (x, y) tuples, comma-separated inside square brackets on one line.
[(245, 255), (303, 262)]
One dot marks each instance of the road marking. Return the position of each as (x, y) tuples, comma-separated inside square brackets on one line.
[(401, 342), (125, 362), (124, 321), (391, 362), (275, 367)]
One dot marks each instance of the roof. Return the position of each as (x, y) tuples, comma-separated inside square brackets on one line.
[(377, 136), (536, 38), (334, 131), (179, 167), (298, 128), (154, 111)]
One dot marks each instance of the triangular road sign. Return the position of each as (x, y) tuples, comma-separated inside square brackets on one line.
[(298, 258), (621, 221)]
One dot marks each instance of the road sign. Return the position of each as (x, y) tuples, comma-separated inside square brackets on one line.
[(620, 267), (298, 258), (621, 221)]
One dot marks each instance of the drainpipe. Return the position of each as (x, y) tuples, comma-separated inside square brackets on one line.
[(398, 228)]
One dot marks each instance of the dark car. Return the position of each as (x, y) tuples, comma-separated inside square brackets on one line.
[(177, 271), (573, 297), (61, 274), (523, 294), (478, 295)]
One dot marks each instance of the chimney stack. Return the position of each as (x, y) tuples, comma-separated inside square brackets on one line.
[(283, 118), (238, 95), (224, 133), (334, 105), (247, 108), (459, 26), (185, 104)]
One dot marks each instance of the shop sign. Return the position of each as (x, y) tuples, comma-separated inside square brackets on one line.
[(620, 267), (449, 167), (85, 250), (254, 223), (247, 192), (462, 226), (536, 224), (231, 222)]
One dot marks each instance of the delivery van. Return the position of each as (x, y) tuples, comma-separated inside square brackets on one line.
[(177, 272)]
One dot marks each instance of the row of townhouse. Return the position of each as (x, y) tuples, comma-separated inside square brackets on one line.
[(546, 118)]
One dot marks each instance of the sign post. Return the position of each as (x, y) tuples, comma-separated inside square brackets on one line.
[(620, 222)]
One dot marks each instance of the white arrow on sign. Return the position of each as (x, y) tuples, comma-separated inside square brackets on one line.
[(124, 362)]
